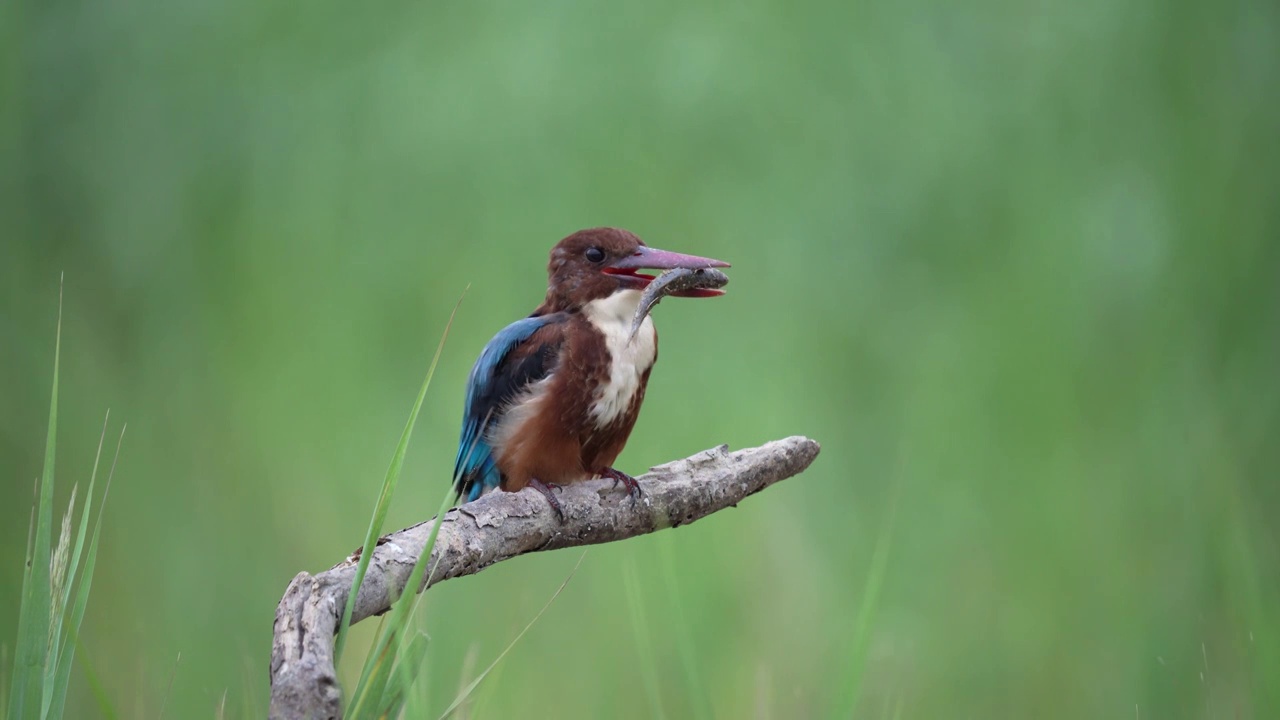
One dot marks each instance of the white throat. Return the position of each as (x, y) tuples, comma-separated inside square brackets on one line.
[(628, 361)]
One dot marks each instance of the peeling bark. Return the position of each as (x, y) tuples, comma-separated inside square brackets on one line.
[(494, 528)]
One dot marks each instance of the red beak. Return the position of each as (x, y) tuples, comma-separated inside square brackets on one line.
[(653, 258)]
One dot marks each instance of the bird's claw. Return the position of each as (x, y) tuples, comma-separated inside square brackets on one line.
[(617, 476), (546, 490)]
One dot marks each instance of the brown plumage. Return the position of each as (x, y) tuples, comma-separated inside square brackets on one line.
[(550, 434)]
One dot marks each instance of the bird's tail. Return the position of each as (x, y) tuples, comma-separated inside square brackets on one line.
[(474, 469)]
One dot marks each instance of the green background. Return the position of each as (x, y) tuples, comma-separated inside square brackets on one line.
[(1015, 264)]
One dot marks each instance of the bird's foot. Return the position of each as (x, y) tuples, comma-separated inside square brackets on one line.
[(617, 476), (546, 490)]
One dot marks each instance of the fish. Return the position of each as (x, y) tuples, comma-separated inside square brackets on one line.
[(672, 282)]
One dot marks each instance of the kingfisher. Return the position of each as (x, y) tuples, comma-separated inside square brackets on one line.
[(553, 397)]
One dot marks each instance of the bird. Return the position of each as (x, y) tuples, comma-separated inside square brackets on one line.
[(553, 397)]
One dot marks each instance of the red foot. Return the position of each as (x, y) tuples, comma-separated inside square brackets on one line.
[(617, 476), (546, 490)]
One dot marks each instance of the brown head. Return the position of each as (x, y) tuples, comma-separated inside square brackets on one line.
[(593, 264)]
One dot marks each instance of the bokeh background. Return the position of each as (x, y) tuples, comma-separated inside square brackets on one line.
[(1014, 264)]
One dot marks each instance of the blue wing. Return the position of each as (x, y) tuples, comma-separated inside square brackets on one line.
[(496, 379)]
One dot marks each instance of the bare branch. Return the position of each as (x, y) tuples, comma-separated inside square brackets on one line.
[(497, 527)]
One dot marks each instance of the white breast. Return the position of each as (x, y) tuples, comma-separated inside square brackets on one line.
[(628, 360)]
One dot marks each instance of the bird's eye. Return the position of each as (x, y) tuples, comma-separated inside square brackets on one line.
[(595, 254)]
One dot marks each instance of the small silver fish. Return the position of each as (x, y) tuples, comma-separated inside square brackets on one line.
[(676, 282)]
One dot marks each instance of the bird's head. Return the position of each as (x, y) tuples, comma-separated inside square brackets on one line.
[(594, 264)]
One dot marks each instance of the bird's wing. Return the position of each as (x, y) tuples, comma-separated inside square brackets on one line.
[(509, 363)]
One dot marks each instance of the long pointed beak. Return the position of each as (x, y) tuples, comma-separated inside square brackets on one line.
[(646, 257), (653, 258)]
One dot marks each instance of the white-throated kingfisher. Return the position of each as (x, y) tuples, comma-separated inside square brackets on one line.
[(553, 397)]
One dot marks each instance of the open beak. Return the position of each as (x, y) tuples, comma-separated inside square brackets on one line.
[(646, 257)]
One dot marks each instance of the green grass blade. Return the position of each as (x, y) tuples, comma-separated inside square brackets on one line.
[(105, 710), (59, 581), (372, 662), (640, 626), (866, 613), (470, 688), (409, 664), (419, 698), (53, 669), (12, 674), (394, 630), (32, 651), (63, 678), (684, 642), (401, 613), (168, 690), (4, 675), (405, 674), (77, 553), (372, 683), (417, 598), (388, 489)]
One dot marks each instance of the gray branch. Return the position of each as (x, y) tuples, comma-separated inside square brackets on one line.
[(494, 528)]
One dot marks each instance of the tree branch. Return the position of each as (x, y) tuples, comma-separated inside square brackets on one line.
[(497, 527)]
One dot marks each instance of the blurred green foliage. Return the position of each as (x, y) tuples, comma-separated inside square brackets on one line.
[(1014, 264)]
